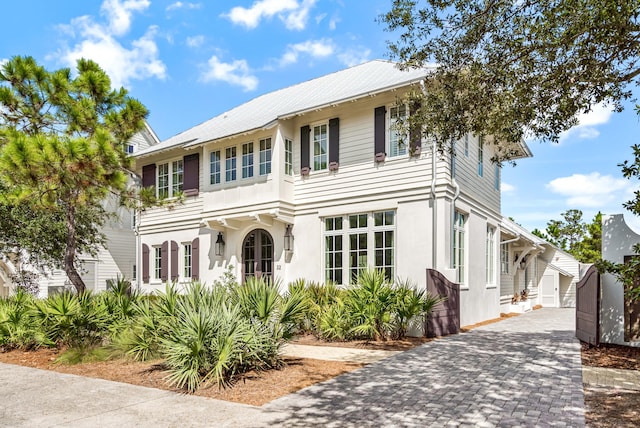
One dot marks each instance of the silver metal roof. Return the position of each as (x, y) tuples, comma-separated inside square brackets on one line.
[(262, 112)]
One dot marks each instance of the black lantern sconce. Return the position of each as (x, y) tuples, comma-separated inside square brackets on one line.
[(288, 239), (219, 245)]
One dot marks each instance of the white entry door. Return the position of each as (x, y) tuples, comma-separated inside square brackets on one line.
[(549, 291)]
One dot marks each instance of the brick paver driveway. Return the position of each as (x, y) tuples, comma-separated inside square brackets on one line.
[(523, 371)]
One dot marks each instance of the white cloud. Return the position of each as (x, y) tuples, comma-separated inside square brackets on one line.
[(591, 191), (100, 43), (313, 48), (195, 41), (3, 61), (353, 57), (293, 14), (235, 73), (588, 123), (119, 13), (507, 188), (181, 5)]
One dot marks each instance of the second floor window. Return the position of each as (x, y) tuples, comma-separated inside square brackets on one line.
[(214, 167), (170, 179), (320, 147), (247, 160), (288, 156), (397, 139), (230, 161), (265, 156), (480, 156)]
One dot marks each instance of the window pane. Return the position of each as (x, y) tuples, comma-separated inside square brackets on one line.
[(265, 156), (320, 149), (288, 157), (177, 177), (230, 164), (214, 164), (247, 160)]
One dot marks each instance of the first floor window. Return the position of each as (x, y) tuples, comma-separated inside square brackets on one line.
[(490, 259), (288, 156), (247, 160), (357, 242), (320, 147), (458, 246), (504, 258), (157, 267), (265, 156), (134, 272), (214, 167), (186, 272)]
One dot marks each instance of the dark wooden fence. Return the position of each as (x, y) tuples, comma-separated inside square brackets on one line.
[(588, 307), (445, 318)]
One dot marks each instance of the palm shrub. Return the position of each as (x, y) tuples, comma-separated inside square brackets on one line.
[(319, 298), (19, 328), (335, 322), (407, 307), (429, 302), (370, 301), (211, 339)]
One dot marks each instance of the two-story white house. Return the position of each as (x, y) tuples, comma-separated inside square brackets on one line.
[(313, 181)]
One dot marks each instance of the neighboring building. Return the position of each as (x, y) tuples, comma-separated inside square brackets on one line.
[(527, 262), (619, 316), (314, 181), (117, 259)]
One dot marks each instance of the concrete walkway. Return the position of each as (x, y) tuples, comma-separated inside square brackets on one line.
[(523, 371), (333, 353), (611, 378)]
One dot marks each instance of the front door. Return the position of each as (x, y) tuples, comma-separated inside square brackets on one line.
[(257, 254)]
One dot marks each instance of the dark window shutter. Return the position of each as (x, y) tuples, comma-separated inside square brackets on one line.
[(195, 258), (145, 263), (415, 134), (164, 261), (174, 260), (149, 175), (191, 184), (379, 133), (334, 144), (305, 133)]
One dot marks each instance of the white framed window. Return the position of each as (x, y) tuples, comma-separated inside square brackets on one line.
[(130, 148), (134, 272), (397, 139), (214, 167), (157, 262), (320, 146), (230, 164), (480, 156), (170, 179), (504, 258), (247, 160), (459, 224), (265, 156), (490, 257), (466, 145), (187, 260), (357, 242), (288, 156), (496, 177)]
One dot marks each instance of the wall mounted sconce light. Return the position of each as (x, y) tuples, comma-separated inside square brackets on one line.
[(288, 239), (219, 245)]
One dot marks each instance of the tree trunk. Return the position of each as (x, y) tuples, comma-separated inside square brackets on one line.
[(70, 251)]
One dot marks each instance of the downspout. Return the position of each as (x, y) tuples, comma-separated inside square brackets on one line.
[(456, 194), (434, 217), (508, 241)]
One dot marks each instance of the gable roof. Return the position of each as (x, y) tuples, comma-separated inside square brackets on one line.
[(262, 112)]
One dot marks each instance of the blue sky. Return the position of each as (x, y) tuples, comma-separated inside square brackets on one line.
[(190, 61)]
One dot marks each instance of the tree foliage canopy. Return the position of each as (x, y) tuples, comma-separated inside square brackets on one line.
[(511, 69), (573, 235), (62, 139)]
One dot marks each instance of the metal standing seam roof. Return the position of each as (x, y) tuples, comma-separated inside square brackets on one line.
[(355, 82)]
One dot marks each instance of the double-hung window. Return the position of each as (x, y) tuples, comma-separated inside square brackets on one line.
[(247, 160), (356, 242), (320, 147), (214, 167), (397, 139), (157, 266), (288, 156), (187, 261), (265, 156), (504, 258), (459, 246), (490, 258), (230, 164), (170, 179)]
